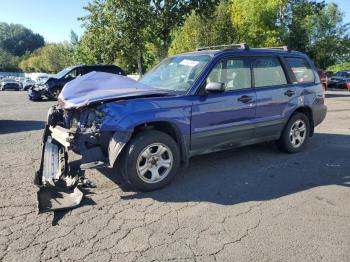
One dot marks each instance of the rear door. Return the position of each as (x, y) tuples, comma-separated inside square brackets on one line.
[(224, 119), (276, 96)]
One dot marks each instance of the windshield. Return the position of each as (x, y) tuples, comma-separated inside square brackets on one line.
[(63, 72), (176, 73)]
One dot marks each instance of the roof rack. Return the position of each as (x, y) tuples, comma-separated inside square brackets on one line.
[(215, 47), (284, 48)]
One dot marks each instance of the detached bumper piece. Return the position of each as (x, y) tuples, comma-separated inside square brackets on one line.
[(57, 189), (57, 198)]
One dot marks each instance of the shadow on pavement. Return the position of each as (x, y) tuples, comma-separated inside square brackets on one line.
[(337, 95), (14, 126), (258, 173)]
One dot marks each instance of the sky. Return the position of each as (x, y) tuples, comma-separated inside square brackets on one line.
[(54, 19)]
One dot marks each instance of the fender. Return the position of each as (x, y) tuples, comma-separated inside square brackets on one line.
[(116, 145)]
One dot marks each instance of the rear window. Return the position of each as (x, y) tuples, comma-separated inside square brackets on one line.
[(301, 69), (268, 72)]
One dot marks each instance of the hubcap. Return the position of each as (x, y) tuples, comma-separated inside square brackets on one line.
[(154, 163), (297, 133)]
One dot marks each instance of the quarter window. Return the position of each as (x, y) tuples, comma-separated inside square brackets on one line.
[(234, 73), (268, 72), (301, 69)]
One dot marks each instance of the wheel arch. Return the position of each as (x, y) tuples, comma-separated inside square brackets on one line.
[(170, 129), (308, 112)]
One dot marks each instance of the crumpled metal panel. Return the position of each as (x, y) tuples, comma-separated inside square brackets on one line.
[(100, 86)]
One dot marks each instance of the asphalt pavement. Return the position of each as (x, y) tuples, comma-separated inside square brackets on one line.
[(248, 204)]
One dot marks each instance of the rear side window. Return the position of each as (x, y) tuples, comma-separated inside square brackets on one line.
[(301, 69), (268, 72)]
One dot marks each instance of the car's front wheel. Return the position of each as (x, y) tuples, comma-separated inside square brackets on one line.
[(150, 160), (295, 134)]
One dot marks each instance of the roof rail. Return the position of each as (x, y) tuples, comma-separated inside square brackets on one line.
[(284, 48), (215, 47)]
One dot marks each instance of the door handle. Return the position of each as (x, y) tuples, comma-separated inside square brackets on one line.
[(245, 99), (289, 93)]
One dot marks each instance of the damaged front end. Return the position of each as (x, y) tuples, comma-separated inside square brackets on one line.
[(69, 131), (86, 122)]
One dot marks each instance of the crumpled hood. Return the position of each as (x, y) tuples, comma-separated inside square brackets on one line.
[(98, 86)]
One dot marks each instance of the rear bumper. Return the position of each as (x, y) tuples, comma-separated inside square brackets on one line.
[(319, 114)]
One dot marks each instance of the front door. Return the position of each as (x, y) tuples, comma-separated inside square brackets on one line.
[(225, 119)]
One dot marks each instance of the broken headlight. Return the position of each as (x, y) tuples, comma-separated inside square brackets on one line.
[(90, 118)]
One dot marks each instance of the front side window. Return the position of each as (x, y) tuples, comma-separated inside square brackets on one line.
[(234, 73), (176, 73), (268, 72), (301, 69), (72, 74)]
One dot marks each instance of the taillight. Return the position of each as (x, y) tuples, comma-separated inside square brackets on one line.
[(348, 85)]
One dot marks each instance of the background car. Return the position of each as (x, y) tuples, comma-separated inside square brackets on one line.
[(9, 84), (53, 86), (28, 83), (42, 79), (339, 80)]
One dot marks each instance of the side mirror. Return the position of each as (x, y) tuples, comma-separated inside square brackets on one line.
[(215, 87)]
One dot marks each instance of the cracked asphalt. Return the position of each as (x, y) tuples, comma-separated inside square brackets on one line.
[(247, 204)]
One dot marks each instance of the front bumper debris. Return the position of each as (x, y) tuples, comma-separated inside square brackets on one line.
[(57, 188)]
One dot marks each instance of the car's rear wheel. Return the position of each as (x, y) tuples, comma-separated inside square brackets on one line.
[(295, 134), (150, 160)]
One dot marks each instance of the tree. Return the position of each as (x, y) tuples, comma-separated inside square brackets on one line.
[(74, 39), (200, 31), (329, 42), (120, 29), (19, 40), (99, 43), (131, 20), (297, 18), (8, 62), (50, 58), (167, 15), (257, 22)]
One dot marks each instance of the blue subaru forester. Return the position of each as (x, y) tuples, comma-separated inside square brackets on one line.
[(195, 103)]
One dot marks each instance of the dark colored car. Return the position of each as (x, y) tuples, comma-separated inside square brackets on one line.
[(190, 104), (53, 85), (340, 80), (9, 84)]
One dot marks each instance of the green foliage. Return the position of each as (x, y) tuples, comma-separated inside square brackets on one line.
[(257, 22), (199, 31), (50, 58), (329, 43), (8, 62), (132, 33), (19, 40), (169, 15), (339, 67)]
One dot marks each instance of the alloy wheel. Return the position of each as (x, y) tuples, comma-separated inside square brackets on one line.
[(154, 163), (297, 133)]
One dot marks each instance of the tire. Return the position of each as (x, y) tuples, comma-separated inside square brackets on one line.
[(140, 154), (293, 132)]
